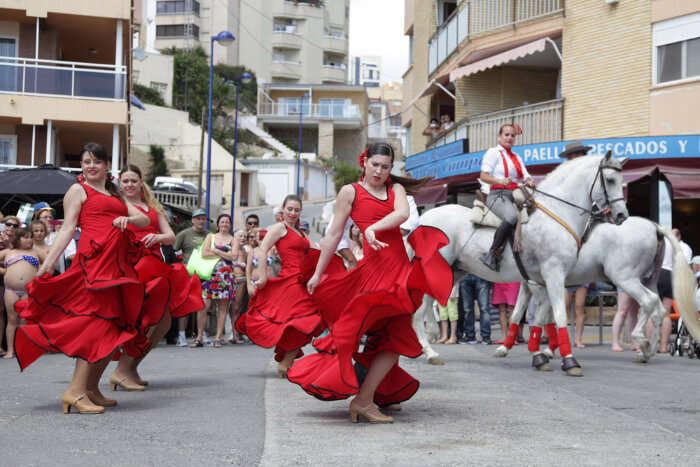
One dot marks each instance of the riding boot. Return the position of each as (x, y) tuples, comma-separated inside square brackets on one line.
[(492, 259)]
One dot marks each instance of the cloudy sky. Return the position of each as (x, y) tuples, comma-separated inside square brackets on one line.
[(376, 28)]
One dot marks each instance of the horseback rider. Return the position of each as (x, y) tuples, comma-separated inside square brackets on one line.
[(503, 170)]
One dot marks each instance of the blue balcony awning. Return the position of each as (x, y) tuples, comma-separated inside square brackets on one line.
[(136, 102)]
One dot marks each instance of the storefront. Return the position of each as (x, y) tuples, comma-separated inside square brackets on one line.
[(662, 176)]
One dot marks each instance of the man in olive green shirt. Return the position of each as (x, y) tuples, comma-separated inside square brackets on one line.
[(187, 241)]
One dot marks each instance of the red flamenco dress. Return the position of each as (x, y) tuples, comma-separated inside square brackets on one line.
[(98, 305), (378, 298), (185, 290), (282, 314)]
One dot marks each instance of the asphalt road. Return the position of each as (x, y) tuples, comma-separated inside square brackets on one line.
[(227, 407)]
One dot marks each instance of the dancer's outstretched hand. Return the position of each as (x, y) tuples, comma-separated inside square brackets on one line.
[(372, 241)]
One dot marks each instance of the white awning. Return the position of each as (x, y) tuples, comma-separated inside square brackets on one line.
[(438, 82), (499, 59)]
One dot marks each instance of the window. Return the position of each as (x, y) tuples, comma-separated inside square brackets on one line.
[(286, 25), (160, 87), (177, 7), (177, 30), (8, 73), (8, 149), (410, 50), (292, 106), (135, 75), (333, 108), (676, 49)]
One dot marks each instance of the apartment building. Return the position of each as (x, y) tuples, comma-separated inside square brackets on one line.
[(384, 118), (63, 80), (280, 40), (332, 118), (615, 74), (290, 41), (187, 24), (365, 70)]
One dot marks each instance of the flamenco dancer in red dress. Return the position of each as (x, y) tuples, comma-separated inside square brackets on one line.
[(99, 304), (185, 290), (377, 298), (280, 313)]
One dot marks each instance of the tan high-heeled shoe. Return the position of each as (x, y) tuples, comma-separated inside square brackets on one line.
[(370, 412), (82, 403), (97, 398), (125, 384)]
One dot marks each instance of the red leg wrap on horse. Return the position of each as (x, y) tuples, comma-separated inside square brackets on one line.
[(551, 331), (535, 334), (512, 334), (564, 342)]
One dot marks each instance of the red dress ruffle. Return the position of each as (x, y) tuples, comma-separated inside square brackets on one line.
[(185, 290), (281, 314), (378, 298), (98, 304)]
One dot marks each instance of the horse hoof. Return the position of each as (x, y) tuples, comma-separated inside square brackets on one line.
[(436, 361), (548, 353), (541, 362), (501, 351), (641, 358), (571, 366)]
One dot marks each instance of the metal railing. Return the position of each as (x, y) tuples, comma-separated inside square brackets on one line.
[(540, 122), (480, 16), (322, 110), (59, 78), (185, 201)]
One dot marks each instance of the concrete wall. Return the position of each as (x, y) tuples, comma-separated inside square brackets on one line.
[(40, 8), (156, 68), (606, 69)]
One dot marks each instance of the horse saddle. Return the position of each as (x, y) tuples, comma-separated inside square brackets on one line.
[(482, 215)]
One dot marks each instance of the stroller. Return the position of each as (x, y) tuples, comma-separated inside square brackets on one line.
[(683, 344)]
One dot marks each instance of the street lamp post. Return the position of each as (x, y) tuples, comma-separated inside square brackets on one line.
[(224, 38), (243, 78), (301, 114)]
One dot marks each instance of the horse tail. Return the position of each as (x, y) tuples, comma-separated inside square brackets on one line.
[(683, 285)]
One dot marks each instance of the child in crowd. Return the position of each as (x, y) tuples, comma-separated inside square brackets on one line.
[(39, 234), (257, 266), (21, 263)]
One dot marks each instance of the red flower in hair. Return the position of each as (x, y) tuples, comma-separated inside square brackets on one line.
[(81, 178), (363, 159)]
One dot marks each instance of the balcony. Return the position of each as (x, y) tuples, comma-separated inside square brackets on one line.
[(297, 9), (333, 73), (287, 69), (335, 43), (483, 16), (76, 80), (287, 113), (286, 40), (541, 122)]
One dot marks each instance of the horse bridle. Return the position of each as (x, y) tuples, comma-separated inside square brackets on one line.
[(604, 213)]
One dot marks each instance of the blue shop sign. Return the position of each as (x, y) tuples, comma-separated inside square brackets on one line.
[(643, 147)]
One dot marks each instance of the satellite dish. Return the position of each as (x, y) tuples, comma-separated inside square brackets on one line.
[(139, 54)]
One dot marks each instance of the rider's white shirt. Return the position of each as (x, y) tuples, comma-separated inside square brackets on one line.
[(668, 254), (413, 220), (492, 164)]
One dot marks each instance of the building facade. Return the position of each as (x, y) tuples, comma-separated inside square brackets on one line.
[(332, 118), (365, 71), (64, 80), (613, 74)]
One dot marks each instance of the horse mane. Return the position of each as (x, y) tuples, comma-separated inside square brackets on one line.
[(563, 171)]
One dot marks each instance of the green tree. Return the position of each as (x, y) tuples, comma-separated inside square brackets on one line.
[(344, 173), (158, 164), (248, 92), (148, 95)]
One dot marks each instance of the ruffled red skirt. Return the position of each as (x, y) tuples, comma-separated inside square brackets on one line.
[(94, 308), (378, 298)]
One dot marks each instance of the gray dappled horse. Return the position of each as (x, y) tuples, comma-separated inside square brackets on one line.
[(549, 250), (630, 256)]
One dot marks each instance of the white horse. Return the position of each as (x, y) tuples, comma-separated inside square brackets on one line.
[(630, 256), (549, 250)]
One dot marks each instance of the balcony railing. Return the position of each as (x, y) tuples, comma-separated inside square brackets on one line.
[(479, 16), (540, 122), (328, 111), (185, 201), (58, 78)]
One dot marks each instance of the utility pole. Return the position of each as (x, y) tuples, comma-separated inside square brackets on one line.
[(201, 160)]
